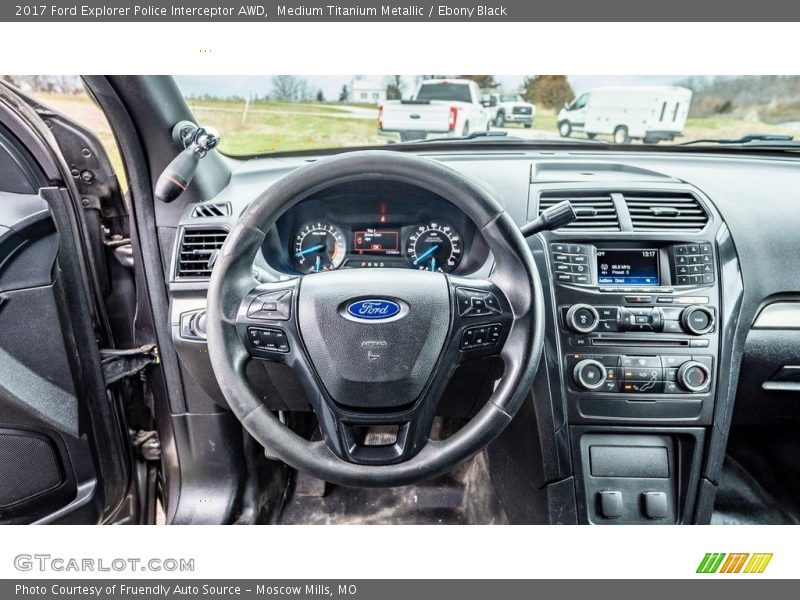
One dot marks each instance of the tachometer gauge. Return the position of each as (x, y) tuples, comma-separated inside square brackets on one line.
[(318, 247), (434, 247)]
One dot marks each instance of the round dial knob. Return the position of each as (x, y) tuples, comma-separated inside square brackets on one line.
[(694, 376), (582, 318), (697, 319), (589, 374)]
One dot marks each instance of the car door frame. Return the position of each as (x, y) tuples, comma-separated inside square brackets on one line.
[(87, 326)]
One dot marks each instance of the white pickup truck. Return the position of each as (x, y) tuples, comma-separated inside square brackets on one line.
[(510, 108), (439, 107)]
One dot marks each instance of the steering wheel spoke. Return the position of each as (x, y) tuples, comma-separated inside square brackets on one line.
[(266, 320), (482, 317)]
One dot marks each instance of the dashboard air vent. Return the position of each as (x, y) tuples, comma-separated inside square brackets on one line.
[(198, 251), (217, 209), (596, 211), (657, 211)]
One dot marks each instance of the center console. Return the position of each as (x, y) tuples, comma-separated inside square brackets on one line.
[(640, 297)]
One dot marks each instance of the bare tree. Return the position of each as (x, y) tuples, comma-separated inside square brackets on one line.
[(394, 87)]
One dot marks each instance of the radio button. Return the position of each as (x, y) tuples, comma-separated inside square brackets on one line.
[(697, 319), (582, 318), (560, 248), (639, 299)]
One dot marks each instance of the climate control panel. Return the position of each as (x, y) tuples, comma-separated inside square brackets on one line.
[(640, 374)]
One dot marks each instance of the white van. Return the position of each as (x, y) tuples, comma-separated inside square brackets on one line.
[(651, 113)]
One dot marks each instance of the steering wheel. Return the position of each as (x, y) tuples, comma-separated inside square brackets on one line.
[(375, 347)]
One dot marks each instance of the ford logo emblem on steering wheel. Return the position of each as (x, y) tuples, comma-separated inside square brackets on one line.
[(373, 309)]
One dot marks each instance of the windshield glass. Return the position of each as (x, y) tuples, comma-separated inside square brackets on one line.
[(285, 113)]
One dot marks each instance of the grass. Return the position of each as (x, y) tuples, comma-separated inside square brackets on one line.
[(300, 127), (275, 126)]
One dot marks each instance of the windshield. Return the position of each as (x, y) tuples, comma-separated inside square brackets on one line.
[(285, 113)]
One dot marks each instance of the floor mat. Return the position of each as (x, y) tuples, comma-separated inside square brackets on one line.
[(462, 497), (741, 500)]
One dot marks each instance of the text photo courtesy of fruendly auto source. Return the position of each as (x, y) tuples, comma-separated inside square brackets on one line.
[(399, 299)]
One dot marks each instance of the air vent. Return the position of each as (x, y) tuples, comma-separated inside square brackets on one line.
[(198, 251), (657, 211), (596, 211), (218, 209)]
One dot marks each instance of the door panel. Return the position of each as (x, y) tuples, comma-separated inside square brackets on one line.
[(55, 446)]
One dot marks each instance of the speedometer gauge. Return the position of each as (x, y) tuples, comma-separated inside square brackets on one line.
[(434, 247), (318, 247)]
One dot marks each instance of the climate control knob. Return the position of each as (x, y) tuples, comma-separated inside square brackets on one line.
[(582, 318), (697, 320), (693, 376), (589, 374)]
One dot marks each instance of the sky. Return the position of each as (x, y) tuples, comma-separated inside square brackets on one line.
[(331, 85)]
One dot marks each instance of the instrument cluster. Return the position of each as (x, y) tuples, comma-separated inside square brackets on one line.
[(324, 246)]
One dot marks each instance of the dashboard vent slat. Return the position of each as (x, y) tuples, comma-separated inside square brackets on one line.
[(216, 209), (596, 211), (659, 211), (197, 252)]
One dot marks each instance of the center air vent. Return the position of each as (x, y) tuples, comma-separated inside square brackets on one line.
[(596, 211), (198, 251), (658, 211), (217, 209)]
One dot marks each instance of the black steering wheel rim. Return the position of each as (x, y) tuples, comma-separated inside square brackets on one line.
[(514, 274)]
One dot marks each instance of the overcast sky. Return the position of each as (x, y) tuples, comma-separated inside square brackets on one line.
[(332, 84)]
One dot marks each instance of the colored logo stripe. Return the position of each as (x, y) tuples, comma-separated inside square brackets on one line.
[(713, 562), (758, 563), (734, 563), (710, 562)]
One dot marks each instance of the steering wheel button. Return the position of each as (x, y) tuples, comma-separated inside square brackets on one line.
[(478, 303), (492, 303)]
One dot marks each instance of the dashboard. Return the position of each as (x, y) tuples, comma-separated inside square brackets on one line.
[(652, 302), (375, 226)]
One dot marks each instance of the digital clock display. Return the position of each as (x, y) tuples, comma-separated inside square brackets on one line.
[(627, 267)]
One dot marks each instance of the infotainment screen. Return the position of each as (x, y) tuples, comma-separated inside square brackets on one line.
[(627, 267)]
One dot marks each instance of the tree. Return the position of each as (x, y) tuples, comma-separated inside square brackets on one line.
[(344, 95), (394, 87), (288, 88), (548, 91), (485, 82), (320, 96)]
